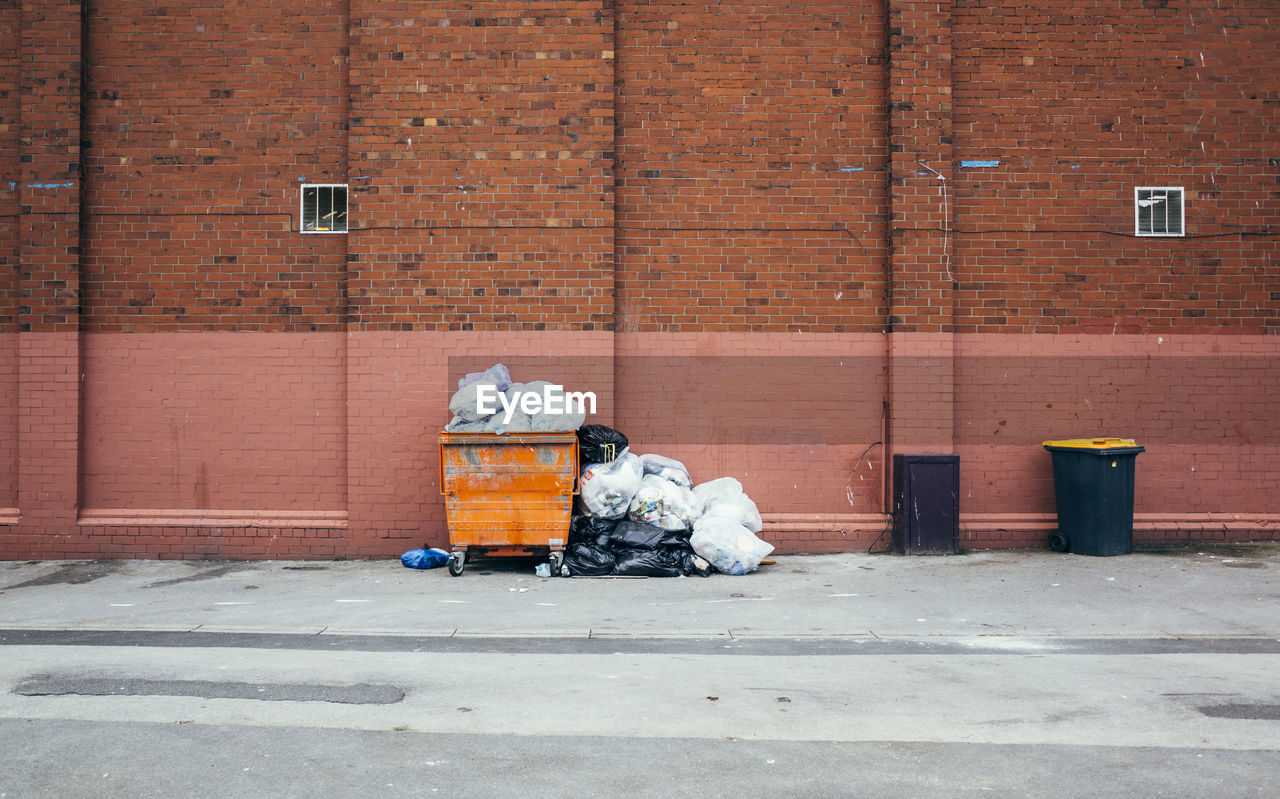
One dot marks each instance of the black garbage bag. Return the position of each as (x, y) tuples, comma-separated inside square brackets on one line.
[(630, 534), (599, 444), (628, 549), (660, 562), (584, 529), (690, 563), (590, 559)]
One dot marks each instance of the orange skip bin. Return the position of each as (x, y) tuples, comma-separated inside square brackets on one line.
[(508, 494)]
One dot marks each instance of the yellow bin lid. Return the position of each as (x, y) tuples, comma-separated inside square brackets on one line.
[(1093, 443)]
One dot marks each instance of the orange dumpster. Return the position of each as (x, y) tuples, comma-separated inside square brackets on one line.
[(508, 494)]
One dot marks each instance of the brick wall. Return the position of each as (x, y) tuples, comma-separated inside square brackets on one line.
[(10, 165), (921, 387), (786, 414), (213, 421), (481, 150), (10, 247), (784, 241), (505, 278), (1195, 403), (1070, 106), (1201, 405), (48, 178), (1060, 111), (751, 160), (8, 421), (199, 127)]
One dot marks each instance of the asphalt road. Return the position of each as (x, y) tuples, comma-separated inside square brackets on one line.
[(106, 720), (1114, 708)]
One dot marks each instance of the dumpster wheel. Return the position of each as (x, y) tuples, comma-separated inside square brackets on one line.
[(1058, 542), (457, 562), (557, 564)]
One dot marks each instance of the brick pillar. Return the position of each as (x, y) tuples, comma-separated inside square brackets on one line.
[(921, 366), (49, 280), (480, 149)]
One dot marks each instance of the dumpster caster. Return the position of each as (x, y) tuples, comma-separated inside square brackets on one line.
[(457, 562), (557, 564), (1058, 542)]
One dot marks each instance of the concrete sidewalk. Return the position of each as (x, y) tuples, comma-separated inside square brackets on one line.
[(1174, 593)]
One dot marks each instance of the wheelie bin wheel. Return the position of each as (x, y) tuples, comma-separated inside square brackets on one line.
[(457, 562), (1058, 542), (556, 560)]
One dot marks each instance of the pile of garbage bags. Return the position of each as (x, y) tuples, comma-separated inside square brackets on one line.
[(637, 515), (641, 515), (491, 402)]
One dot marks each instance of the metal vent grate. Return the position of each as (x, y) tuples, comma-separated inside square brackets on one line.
[(324, 208), (1158, 211)]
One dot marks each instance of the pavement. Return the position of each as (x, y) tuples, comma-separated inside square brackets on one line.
[(1008, 672), (1174, 592)]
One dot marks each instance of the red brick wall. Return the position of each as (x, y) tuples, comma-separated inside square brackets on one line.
[(10, 246), (506, 278), (1201, 405), (10, 168), (8, 420), (49, 167), (751, 159), (1079, 102), (48, 178), (683, 206), (920, 130), (481, 144), (796, 418), (205, 421), (196, 542), (200, 125)]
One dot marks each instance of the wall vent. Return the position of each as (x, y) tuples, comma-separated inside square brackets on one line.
[(324, 208), (1158, 211)]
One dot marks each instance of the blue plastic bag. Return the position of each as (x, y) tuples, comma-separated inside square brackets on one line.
[(425, 558)]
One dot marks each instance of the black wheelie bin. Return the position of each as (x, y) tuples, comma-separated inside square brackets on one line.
[(1093, 484)]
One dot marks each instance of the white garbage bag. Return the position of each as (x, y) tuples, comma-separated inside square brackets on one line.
[(727, 545), (498, 405), (520, 423), (513, 393), (743, 509), (560, 417), (564, 420), (666, 468), (608, 488), (726, 494), (715, 490), (464, 401), (663, 504), (460, 425)]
